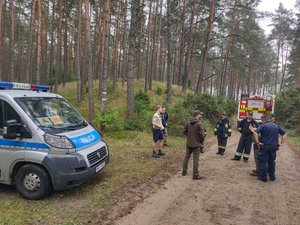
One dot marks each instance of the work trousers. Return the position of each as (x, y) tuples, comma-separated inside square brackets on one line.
[(267, 156), (222, 142), (244, 147), (256, 157), (196, 154)]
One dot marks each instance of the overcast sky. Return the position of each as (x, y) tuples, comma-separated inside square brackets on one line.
[(271, 6)]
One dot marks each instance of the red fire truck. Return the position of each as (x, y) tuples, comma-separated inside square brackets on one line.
[(257, 104)]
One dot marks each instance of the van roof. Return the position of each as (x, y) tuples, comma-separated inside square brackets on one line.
[(28, 93)]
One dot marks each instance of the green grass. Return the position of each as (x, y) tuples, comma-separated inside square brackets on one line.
[(131, 162), (294, 139)]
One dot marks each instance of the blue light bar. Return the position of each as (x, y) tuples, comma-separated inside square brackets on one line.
[(22, 86)]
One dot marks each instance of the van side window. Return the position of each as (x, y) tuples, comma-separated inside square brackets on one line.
[(7, 113), (10, 113)]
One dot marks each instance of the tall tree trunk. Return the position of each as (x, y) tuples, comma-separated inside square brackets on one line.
[(169, 46), (88, 61), (51, 68), (45, 44), (12, 39), (19, 46), (229, 45), (284, 65), (139, 56), (59, 50), (66, 61), (206, 47), (124, 43), (182, 45), (1, 38), (29, 48), (116, 47), (188, 52), (77, 53), (135, 12), (277, 65), (147, 74), (39, 44), (105, 54), (158, 49)]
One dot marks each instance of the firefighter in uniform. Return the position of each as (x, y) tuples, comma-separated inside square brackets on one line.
[(222, 131), (245, 143), (268, 145)]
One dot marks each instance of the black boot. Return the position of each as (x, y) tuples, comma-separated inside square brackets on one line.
[(236, 158)]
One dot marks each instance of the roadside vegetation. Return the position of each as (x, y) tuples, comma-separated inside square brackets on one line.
[(131, 163), (288, 114)]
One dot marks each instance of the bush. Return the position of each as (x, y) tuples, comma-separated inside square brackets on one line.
[(141, 102), (139, 122), (109, 121), (159, 91), (287, 109), (212, 107), (205, 103)]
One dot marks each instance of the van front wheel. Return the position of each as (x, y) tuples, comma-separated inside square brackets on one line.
[(33, 182)]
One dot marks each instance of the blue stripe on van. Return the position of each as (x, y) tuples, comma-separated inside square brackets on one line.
[(86, 139), (22, 144)]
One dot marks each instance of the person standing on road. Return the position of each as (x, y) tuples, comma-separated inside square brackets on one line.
[(273, 118), (222, 131), (157, 131), (256, 171), (195, 137), (165, 117), (205, 133), (245, 143), (268, 146)]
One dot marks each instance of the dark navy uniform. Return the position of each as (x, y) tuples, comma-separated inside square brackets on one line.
[(269, 138), (222, 131), (165, 117), (246, 141)]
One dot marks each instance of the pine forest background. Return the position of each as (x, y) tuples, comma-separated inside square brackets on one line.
[(213, 47)]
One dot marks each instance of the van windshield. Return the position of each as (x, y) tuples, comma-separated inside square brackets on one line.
[(54, 115)]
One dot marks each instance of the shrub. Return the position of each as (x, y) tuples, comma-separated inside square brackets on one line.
[(141, 102), (287, 109), (139, 122), (212, 107), (109, 121), (159, 91)]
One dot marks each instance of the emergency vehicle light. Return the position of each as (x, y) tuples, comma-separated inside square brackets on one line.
[(22, 86)]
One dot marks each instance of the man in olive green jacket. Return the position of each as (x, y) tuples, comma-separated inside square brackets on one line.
[(195, 137)]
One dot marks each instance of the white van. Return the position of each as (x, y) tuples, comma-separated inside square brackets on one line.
[(45, 144)]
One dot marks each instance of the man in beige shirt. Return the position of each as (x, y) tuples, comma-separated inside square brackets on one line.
[(157, 131)]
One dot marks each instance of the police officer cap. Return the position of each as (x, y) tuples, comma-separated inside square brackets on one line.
[(197, 112), (272, 115), (250, 113)]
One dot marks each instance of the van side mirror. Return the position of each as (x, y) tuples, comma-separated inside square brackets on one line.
[(14, 130)]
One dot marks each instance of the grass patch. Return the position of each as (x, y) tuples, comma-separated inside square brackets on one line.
[(294, 139), (131, 162)]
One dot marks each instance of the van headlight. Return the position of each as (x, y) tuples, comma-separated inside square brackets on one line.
[(57, 141)]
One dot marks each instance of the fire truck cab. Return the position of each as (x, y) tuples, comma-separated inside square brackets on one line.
[(259, 105)]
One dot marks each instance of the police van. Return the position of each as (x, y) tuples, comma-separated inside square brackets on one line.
[(45, 144)]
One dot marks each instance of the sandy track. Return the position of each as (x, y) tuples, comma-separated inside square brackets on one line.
[(228, 195)]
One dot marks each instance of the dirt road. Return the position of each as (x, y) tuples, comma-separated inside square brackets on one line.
[(228, 195)]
